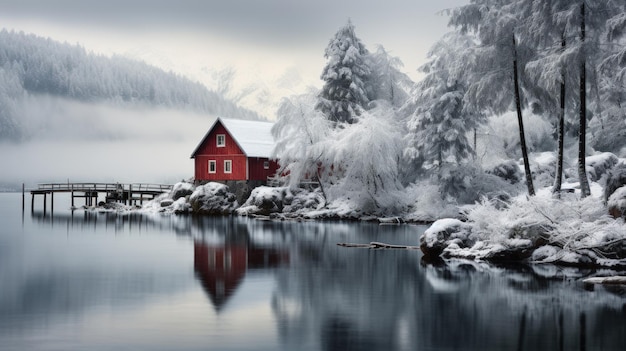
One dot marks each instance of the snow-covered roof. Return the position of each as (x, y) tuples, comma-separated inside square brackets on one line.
[(253, 137)]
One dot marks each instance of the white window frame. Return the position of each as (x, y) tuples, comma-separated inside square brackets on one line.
[(223, 140), (266, 164), (214, 163), (228, 166)]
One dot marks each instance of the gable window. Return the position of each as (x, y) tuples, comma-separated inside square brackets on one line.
[(221, 140), (228, 166), (266, 165), (212, 166)]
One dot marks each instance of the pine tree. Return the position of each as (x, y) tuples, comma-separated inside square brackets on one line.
[(439, 126), (345, 77)]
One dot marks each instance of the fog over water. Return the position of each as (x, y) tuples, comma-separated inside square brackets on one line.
[(98, 142)]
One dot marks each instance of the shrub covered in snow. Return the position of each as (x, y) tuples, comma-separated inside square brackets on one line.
[(578, 232), (468, 184)]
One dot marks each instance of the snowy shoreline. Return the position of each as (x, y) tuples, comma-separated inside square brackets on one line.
[(532, 230)]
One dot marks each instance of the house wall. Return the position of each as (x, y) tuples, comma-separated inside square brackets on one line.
[(210, 151), (258, 171)]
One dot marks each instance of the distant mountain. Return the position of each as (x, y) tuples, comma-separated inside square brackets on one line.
[(31, 65), (251, 85)]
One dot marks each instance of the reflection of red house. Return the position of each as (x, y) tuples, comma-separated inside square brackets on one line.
[(235, 150), (221, 269)]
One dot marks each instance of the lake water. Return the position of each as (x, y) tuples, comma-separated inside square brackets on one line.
[(101, 281)]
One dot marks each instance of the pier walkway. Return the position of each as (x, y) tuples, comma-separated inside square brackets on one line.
[(112, 192)]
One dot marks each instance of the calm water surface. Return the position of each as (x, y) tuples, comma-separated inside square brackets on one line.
[(101, 281)]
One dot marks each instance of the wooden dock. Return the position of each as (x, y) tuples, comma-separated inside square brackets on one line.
[(113, 192)]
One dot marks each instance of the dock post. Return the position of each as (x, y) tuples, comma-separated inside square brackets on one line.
[(52, 202), (23, 191), (32, 202), (45, 203), (72, 187), (130, 194)]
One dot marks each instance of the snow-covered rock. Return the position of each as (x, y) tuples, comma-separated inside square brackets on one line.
[(574, 232), (600, 164), (616, 178), (209, 199), (617, 203), (444, 232), (212, 199), (509, 171), (265, 201), (181, 189)]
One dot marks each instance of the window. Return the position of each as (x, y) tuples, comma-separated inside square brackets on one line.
[(228, 166), (221, 140), (266, 165), (212, 166)]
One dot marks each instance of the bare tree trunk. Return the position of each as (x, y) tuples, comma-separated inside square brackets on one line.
[(558, 177), (518, 106), (582, 132)]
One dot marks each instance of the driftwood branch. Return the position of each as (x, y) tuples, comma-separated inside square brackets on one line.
[(616, 280), (378, 245)]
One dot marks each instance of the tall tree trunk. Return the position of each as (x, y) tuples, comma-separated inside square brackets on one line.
[(582, 132), (556, 189), (518, 106)]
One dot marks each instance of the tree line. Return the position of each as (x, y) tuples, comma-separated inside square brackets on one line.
[(370, 131), (32, 65)]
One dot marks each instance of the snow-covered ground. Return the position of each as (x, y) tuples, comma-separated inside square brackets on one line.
[(541, 229)]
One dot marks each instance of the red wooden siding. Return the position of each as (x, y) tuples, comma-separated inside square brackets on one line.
[(257, 169), (209, 151), (238, 167)]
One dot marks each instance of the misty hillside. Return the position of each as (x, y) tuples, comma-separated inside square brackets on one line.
[(32, 66)]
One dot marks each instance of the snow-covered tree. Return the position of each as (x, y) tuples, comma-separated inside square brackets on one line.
[(345, 77), (387, 82), (440, 125), (298, 130), (574, 38), (494, 84), (363, 161)]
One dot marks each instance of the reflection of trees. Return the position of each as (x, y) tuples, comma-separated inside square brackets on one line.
[(351, 299)]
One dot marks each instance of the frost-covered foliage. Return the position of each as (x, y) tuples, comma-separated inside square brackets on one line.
[(387, 82), (439, 126), (428, 205), (469, 184), (298, 128), (357, 162), (34, 65), (345, 77), (361, 161), (537, 129), (578, 232)]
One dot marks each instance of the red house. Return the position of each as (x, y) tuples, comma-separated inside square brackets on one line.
[(237, 150)]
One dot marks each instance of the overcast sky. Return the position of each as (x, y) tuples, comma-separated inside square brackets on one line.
[(269, 34)]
